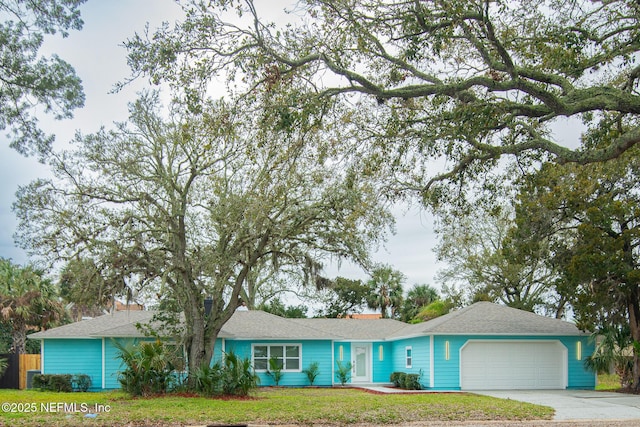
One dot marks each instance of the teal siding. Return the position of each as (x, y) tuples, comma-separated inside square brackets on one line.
[(579, 377), (84, 356), (217, 351), (113, 365), (311, 351), (420, 355), (447, 372), (345, 348), (382, 366), (446, 375), (74, 356)]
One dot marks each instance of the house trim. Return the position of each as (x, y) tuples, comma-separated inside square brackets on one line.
[(42, 357), (104, 363), (431, 362)]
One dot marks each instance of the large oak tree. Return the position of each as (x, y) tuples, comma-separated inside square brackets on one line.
[(195, 202), (465, 80)]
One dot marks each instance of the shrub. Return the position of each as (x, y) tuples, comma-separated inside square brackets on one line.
[(312, 372), (208, 379), (53, 382), (233, 377), (239, 378), (275, 370), (412, 382), (344, 372), (406, 381), (81, 382), (150, 368), (397, 378)]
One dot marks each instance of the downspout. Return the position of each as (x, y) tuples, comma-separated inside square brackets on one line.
[(42, 357), (431, 362), (333, 362), (104, 364)]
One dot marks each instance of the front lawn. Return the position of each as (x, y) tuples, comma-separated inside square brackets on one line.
[(266, 406), (608, 382)]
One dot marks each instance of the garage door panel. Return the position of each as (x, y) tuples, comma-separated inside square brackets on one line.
[(512, 365)]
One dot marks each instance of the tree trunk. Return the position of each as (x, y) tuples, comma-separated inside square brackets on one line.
[(196, 341), (634, 324), (203, 331), (19, 336), (633, 306)]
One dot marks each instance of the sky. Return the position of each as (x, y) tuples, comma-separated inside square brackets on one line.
[(99, 59)]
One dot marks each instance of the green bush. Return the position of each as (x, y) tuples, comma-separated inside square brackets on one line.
[(81, 382), (208, 379), (275, 370), (234, 376), (406, 381), (150, 368), (397, 378), (239, 378), (53, 382), (312, 372), (344, 372), (412, 382)]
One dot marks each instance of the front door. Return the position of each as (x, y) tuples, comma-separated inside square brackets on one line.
[(361, 363)]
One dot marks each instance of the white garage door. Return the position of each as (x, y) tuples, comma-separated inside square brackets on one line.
[(491, 365)]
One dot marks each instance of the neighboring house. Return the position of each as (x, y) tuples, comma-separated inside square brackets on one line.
[(483, 346)]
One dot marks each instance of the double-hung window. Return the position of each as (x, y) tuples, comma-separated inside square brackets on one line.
[(286, 356), (408, 357)]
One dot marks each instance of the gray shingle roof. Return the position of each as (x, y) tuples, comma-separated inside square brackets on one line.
[(259, 324), (118, 324), (355, 329), (485, 318), (482, 318)]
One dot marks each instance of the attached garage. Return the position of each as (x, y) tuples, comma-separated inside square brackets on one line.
[(513, 365)]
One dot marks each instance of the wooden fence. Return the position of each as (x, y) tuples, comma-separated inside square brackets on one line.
[(28, 362)]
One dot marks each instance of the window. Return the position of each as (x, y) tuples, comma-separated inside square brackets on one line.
[(409, 357), (286, 355)]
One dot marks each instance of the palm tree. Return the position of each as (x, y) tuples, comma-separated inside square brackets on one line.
[(419, 296), (386, 290), (614, 349), (28, 301)]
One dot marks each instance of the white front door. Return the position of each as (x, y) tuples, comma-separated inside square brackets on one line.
[(361, 363)]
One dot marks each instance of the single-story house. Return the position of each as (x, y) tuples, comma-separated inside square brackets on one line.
[(482, 346)]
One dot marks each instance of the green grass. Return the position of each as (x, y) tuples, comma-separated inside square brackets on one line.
[(266, 406), (608, 382)]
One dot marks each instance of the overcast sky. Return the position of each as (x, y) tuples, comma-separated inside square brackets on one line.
[(100, 61)]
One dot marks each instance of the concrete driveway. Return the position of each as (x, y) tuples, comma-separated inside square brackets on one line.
[(577, 404)]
